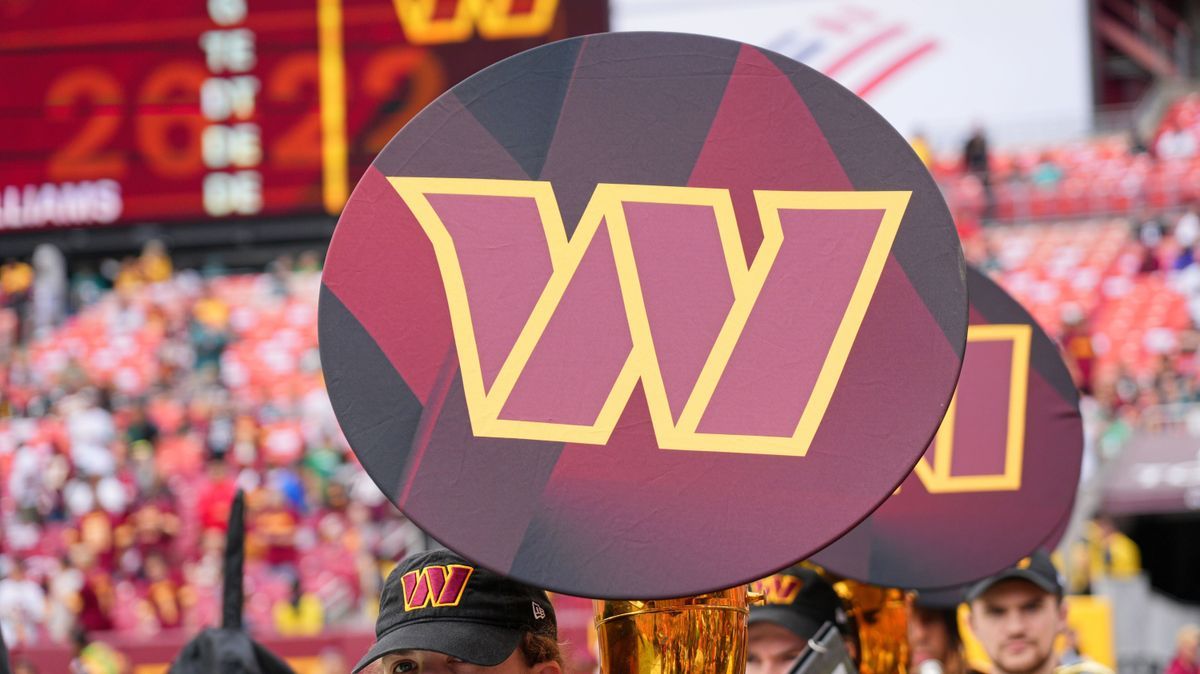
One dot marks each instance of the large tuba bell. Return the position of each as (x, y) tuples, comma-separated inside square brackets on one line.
[(705, 634), (880, 620)]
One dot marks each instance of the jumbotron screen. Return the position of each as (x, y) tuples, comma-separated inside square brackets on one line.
[(149, 111)]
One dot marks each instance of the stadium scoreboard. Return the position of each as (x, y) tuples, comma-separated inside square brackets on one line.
[(151, 111)]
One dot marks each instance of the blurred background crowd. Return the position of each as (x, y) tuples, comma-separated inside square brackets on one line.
[(135, 401)]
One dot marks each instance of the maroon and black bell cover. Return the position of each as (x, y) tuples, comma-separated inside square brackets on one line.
[(999, 479), (642, 314)]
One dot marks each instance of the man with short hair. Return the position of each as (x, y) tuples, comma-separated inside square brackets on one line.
[(441, 614), (1018, 613), (796, 603)]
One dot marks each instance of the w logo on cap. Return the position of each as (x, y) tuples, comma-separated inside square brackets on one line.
[(779, 589), (435, 586)]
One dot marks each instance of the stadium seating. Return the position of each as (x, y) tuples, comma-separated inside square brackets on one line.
[(1098, 176), (139, 346)]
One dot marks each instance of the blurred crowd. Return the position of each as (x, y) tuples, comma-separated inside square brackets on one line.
[(1122, 297), (1120, 291), (134, 401), (1115, 174)]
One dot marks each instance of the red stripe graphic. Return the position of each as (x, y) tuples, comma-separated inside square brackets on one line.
[(864, 47), (895, 67)]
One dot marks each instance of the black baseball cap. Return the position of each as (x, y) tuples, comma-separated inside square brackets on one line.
[(800, 600), (944, 599), (438, 601), (1036, 568)]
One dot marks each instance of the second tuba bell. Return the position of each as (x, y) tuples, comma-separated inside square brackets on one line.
[(704, 634)]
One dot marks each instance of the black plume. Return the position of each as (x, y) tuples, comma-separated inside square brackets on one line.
[(235, 558)]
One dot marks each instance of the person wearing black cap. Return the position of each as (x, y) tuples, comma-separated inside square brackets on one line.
[(441, 614), (1018, 613), (796, 603), (934, 642)]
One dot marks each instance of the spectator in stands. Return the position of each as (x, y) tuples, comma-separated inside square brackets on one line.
[(87, 287), (921, 147), (977, 162), (8, 339), (1046, 174), (1070, 655), (1137, 142), (154, 263), (129, 277), (26, 477), (1077, 347), (16, 283), (216, 495), (22, 606), (279, 274), (97, 596), (95, 657), (1113, 554), (91, 433), (163, 600), (48, 297), (309, 262), (151, 528), (1148, 260), (274, 524), (1185, 258), (333, 662), (1175, 142), (1186, 643), (139, 428), (1187, 228), (300, 615), (209, 330), (975, 153), (65, 582), (1149, 229)]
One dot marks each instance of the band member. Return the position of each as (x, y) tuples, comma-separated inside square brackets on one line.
[(1018, 613), (797, 602), (440, 614), (934, 642)]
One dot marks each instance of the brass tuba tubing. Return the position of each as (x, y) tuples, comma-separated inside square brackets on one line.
[(704, 634)]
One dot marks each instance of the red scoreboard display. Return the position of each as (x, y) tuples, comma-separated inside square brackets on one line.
[(151, 111)]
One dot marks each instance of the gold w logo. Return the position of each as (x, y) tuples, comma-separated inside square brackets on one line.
[(781, 588), (653, 286), (1002, 401)]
